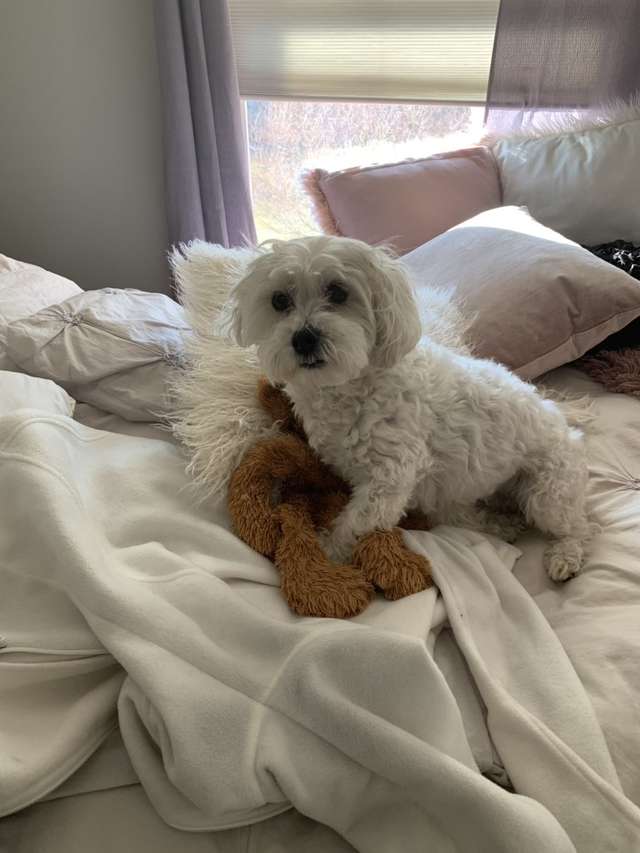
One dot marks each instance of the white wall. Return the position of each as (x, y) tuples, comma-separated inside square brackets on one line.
[(81, 173)]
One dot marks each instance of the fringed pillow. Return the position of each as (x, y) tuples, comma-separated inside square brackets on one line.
[(402, 205), (218, 416)]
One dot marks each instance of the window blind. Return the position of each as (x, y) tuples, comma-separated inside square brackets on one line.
[(397, 50)]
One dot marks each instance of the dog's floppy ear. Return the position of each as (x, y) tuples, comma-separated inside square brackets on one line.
[(240, 311), (398, 327), (230, 323)]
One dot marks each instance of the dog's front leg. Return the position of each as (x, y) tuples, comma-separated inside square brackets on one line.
[(373, 506)]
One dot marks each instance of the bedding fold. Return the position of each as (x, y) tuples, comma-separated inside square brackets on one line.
[(232, 709)]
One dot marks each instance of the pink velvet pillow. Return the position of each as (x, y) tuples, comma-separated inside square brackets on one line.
[(404, 205)]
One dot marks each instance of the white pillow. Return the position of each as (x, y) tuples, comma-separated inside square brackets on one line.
[(5, 362), (582, 182), (115, 349), (25, 289), (218, 416), (18, 391)]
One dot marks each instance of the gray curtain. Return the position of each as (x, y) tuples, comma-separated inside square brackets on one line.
[(562, 55), (206, 151)]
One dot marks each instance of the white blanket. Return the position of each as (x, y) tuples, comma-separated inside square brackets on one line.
[(232, 709), (597, 615)]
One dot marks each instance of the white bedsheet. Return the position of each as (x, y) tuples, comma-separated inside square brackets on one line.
[(596, 616), (232, 709)]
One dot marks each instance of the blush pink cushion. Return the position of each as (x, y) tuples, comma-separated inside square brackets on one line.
[(535, 300), (404, 205)]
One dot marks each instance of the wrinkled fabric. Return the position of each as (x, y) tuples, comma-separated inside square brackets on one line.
[(115, 349), (232, 709), (597, 615)]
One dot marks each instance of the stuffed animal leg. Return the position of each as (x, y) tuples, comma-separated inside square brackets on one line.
[(286, 533), (281, 494), (312, 585)]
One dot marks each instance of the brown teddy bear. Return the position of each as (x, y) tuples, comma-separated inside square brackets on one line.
[(281, 494)]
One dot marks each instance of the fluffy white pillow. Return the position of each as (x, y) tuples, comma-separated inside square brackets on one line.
[(218, 416), (582, 179)]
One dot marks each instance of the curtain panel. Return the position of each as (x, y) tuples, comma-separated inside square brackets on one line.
[(561, 55), (206, 150)]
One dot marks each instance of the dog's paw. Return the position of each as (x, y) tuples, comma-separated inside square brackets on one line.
[(390, 566), (563, 559)]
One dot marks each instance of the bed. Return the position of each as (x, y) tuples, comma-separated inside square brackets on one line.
[(158, 695)]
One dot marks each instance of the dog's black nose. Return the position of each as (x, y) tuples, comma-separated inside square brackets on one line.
[(305, 341)]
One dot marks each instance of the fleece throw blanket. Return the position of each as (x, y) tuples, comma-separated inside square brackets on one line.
[(118, 591)]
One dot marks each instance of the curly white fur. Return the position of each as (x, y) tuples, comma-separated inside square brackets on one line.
[(217, 414), (407, 425)]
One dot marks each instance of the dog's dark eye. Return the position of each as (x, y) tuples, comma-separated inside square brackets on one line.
[(336, 293), (280, 300)]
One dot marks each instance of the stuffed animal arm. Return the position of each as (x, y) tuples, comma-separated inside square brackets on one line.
[(280, 496)]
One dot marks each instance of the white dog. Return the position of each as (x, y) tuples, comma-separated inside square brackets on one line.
[(407, 422)]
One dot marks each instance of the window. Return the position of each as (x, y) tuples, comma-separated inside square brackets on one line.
[(350, 82), (361, 50), (287, 137)]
